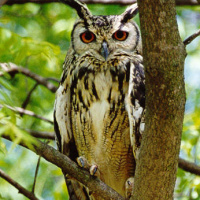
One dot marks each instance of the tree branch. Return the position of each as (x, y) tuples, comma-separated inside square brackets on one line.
[(2, 2), (183, 164), (41, 135), (12, 69), (95, 185), (36, 173), (122, 2), (21, 189), (26, 112), (189, 167), (26, 101), (53, 79), (69, 167), (191, 38)]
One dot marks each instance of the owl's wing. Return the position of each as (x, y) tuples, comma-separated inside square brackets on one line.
[(66, 145), (136, 103), (64, 137)]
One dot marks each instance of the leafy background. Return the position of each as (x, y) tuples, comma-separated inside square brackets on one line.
[(37, 37)]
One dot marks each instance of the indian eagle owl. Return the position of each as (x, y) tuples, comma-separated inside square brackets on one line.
[(99, 107)]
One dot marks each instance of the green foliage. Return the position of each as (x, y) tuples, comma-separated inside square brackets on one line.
[(37, 37), (188, 186)]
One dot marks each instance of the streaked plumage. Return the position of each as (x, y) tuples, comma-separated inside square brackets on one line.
[(100, 101)]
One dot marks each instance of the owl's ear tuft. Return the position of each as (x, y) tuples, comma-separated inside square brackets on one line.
[(81, 9), (129, 13)]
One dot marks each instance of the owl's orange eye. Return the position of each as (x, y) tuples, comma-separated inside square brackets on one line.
[(87, 37), (120, 35)]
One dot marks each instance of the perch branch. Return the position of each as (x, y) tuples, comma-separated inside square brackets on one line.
[(93, 183), (183, 164), (122, 2), (12, 69), (21, 189), (26, 112), (69, 167), (191, 38)]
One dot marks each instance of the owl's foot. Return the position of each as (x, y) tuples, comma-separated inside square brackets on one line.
[(93, 169), (129, 187)]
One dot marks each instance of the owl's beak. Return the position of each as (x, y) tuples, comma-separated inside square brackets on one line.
[(104, 50)]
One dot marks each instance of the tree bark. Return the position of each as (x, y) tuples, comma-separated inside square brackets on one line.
[(164, 55)]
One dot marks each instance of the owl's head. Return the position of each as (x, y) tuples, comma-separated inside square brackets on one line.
[(104, 36)]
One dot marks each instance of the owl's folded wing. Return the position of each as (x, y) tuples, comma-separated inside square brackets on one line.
[(136, 103)]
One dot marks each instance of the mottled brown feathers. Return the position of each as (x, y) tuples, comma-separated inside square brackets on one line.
[(99, 107)]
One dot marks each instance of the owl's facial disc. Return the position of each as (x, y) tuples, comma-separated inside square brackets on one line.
[(105, 36)]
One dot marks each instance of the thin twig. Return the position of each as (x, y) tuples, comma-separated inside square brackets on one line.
[(53, 79), (123, 2), (37, 134), (191, 38), (12, 69), (36, 173), (21, 189), (26, 101), (26, 112), (41, 135)]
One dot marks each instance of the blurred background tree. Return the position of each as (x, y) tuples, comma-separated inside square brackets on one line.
[(36, 37)]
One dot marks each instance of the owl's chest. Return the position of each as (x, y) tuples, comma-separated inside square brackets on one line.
[(104, 85), (98, 111), (97, 97)]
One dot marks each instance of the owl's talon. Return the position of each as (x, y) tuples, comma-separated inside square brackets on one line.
[(82, 162), (93, 170), (129, 187)]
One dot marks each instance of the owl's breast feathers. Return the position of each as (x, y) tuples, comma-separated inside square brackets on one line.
[(94, 111)]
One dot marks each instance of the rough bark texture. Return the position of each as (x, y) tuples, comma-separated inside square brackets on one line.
[(164, 56)]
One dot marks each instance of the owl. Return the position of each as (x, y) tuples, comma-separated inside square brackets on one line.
[(100, 102)]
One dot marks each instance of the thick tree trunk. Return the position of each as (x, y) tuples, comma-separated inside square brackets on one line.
[(164, 56)]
